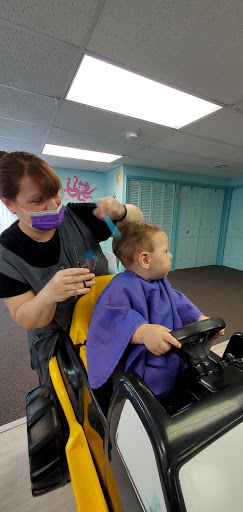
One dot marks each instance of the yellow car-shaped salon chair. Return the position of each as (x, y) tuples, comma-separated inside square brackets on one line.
[(126, 450)]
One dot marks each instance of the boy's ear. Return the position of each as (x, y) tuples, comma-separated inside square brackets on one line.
[(144, 259)]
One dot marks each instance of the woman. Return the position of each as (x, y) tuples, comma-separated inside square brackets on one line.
[(49, 257)]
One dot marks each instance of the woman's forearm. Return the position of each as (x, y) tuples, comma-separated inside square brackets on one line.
[(35, 312), (32, 310)]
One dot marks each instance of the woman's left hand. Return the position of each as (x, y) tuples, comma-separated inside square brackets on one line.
[(109, 206), (115, 210)]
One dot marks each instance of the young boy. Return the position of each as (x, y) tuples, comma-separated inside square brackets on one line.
[(133, 316)]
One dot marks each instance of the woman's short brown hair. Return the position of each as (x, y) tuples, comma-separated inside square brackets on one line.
[(137, 236), (14, 166)]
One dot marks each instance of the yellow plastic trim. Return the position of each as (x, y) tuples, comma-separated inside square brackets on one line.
[(82, 355), (83, 312), (84, 308), (85, 482)]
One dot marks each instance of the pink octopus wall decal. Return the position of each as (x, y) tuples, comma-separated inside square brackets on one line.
[(80, 190)]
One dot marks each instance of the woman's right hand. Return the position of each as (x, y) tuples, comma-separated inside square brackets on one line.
[(68, 283), (31, 310), (156, 338)]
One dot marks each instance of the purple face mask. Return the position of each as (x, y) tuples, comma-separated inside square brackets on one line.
[(48, 219)]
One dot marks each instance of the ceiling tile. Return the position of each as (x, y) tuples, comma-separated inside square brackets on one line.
[(10, 145), (237, 156), (77, 117), (207, 169), (68, 138), (22, 130), (143, 162), (225, 125), (193, 45), (50, 18), (215, 166), (69, 163), (153, 164), (169, 156), (239, 104), (194, 145), (103, 167), (26, 106), (35, 62)]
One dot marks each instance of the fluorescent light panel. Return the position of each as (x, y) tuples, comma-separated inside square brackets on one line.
[(111, 88), (79, 154)]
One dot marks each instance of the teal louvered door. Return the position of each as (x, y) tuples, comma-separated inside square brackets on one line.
[(156, 201), (146, 199)]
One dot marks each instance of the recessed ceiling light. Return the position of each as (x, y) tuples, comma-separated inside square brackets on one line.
[(111, 88), (79, 154)]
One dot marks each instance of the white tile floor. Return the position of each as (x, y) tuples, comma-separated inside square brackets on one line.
[(15, 491), (220, 348)]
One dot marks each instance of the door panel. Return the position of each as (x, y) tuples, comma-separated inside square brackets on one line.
[(233, 254), (188, 228), (199, 226), (211, 214)]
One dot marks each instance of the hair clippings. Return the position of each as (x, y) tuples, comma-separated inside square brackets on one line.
[(113, 229)]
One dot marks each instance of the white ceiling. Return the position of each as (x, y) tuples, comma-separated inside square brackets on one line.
[(193, 45)]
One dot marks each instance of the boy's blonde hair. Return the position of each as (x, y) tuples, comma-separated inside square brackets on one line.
[(137, 236)]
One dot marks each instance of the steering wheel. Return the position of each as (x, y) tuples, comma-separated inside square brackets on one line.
[(196, 340)]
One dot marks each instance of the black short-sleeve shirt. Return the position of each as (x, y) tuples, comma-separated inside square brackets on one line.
[(43, 254)]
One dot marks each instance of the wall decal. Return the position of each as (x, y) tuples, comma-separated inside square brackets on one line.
[(80, 190), (118, 177)]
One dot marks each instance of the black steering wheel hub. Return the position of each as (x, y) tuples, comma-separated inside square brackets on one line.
[(196, 340)]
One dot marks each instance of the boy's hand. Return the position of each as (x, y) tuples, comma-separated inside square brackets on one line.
[(218, 333), (156, 338)]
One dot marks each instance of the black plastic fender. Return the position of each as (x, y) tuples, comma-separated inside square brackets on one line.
[(47, 431)]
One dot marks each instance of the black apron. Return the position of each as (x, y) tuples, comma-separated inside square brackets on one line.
[(78, 247)]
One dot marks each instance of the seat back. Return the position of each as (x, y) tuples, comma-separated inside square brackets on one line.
[(84, 308)]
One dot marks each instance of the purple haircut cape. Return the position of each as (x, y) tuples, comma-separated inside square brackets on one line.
[(126, 303)]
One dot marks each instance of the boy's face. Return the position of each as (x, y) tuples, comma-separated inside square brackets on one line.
[(160, 258)]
